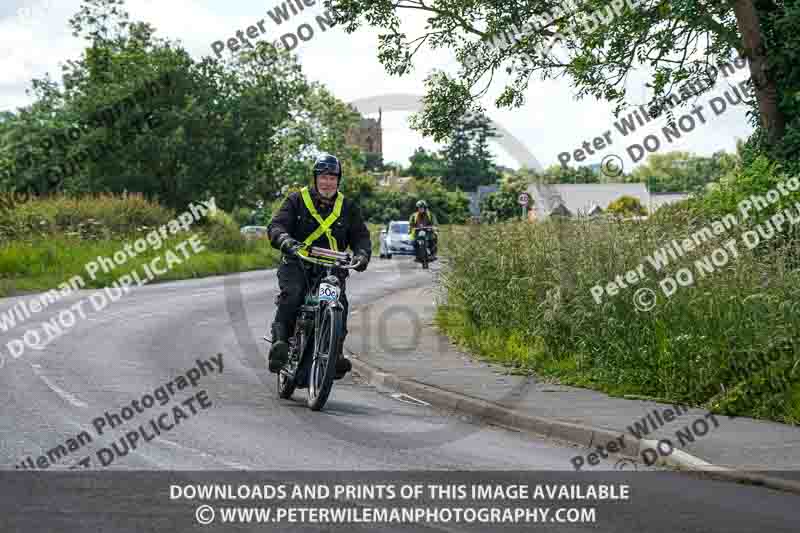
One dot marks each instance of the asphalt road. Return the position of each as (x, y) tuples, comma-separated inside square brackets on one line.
[(153, 335)]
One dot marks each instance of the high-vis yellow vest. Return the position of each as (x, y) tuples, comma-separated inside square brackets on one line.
[(412, 223), (324, 225)]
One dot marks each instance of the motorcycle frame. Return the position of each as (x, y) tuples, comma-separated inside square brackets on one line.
[(308, 337)]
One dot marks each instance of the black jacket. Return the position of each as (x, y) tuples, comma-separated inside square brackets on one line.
[(293, 218)]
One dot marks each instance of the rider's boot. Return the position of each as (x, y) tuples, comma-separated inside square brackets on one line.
[(279, 353), (343, 365)]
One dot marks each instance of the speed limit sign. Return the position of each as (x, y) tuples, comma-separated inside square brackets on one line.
[(523, 198)]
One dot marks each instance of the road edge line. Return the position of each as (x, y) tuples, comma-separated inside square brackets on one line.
[(554, 428)]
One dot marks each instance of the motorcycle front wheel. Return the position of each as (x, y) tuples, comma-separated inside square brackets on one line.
[(326, 353)]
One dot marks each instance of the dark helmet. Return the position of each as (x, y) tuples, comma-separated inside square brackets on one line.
[(423, 204), (327, 164)]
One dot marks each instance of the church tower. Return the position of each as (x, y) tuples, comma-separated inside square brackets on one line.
[(368, 135)]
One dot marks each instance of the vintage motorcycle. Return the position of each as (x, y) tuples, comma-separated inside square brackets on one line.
[(315, 345), (423, 238)]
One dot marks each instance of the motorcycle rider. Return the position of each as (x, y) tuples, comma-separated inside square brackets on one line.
[(319, 216), (422, 217)]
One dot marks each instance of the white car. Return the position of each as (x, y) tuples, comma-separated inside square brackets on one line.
[(395, 240), (255, 232)]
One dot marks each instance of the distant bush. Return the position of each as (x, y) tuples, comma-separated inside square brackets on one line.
[(224, 234), (626, 206), (383, 205), (503, 204), (242, 216), (379, 205)]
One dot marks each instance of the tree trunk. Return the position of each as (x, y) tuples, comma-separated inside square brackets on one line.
[(766, 89)]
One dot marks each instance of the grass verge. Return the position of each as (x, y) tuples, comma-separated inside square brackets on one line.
[(521, 294), (43, 264), (46, 242)]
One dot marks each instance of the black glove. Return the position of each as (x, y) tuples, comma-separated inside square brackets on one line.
[(288, 245), (361, 262)]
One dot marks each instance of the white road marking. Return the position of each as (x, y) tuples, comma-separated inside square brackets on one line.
[(151, 315), (400, 397), (204, 454), (58, 390), (95, 466), (207, 293), (129, 314), (110, 317)]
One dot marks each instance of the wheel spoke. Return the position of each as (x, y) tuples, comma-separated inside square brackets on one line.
[(320, 362)]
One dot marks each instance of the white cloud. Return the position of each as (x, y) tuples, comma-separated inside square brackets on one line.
[(551, 121)]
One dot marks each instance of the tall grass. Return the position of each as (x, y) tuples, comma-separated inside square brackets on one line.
[(730, 341), (46, 242), (87, 217)]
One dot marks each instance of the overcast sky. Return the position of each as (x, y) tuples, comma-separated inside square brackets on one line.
[(38, 40)]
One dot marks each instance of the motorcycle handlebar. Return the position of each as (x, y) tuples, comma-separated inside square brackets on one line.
[(339, 257)]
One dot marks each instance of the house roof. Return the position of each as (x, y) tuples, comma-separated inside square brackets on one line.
[(581, 198), (486, 189)]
